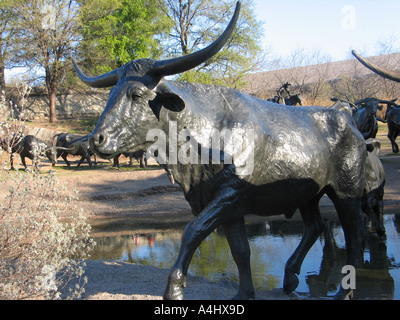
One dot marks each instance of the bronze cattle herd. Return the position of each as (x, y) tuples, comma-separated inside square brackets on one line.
[(290, 156)]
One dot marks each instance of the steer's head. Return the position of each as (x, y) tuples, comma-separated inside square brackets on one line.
[(138, 95), (371, 105)]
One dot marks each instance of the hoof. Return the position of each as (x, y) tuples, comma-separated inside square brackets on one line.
[(290, 283), (175, 286), (173, 293), (344, 294)]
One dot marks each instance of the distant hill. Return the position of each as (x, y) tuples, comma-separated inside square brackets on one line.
[(268, 82)]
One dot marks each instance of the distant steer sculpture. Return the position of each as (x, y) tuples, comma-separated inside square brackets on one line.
[(32, 148), (393, 116), (393, 122), (366, 118), (140, 156), (288, 158), (75, 145)]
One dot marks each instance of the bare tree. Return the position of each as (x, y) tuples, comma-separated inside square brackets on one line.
[(187, 17), (197, 23), (308, 71), (6, 33), (388, 89), (355, 84), (46, 33)]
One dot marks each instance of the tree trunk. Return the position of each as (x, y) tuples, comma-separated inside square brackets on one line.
[(52, 96), (2, 77), (51, 84)]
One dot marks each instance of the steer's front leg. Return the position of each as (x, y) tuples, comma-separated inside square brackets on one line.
[(220, 211)]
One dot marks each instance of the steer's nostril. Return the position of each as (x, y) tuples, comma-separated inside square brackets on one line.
[(103, 144), (98, 139), (101, 139)]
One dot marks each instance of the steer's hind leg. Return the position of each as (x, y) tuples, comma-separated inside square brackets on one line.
[(392, 135), (313, 227), (81, 161), (88, 160), (219, 212), (237, 239), (23, 162)]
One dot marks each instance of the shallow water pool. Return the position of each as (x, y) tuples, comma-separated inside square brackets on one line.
[(272, 242)]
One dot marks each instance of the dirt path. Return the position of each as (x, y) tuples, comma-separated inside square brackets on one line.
[(113, 194)]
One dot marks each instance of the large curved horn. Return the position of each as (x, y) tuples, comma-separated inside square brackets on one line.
[(190, 61), (388, 74), (106, 80)]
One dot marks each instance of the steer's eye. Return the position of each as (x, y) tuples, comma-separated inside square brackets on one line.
[(135, 96), (134, 93)]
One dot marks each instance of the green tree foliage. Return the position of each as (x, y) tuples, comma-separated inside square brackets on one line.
[(106, 34), (118, 31)]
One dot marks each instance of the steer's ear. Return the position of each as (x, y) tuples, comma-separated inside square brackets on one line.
[(168, 100)]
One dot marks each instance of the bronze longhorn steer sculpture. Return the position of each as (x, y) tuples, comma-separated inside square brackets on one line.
[(366, 117), (30, 147), (290, 157), (76, 145), (393, 116)]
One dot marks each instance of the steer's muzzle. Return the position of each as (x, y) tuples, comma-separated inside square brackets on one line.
[(102, 145)]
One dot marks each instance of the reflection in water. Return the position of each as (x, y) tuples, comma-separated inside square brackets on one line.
[(272, 243), (373, 279)]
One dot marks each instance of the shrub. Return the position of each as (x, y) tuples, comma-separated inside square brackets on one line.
[(40, 251)]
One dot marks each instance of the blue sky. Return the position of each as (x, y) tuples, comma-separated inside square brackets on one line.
[(334, 27), (331, 26)]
